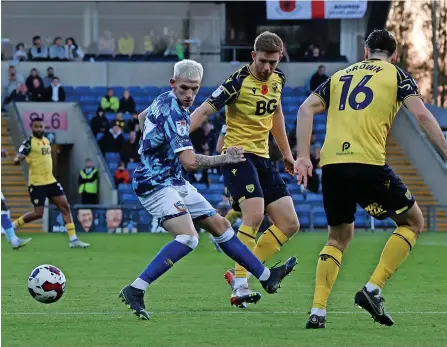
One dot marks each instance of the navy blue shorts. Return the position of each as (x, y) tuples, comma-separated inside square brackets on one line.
[(377, 189), (38, 194), (257, 177)]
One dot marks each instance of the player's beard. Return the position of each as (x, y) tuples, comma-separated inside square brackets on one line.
[(38, 134)]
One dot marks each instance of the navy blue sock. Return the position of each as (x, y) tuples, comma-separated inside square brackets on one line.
[(236, 250), (164, 260)]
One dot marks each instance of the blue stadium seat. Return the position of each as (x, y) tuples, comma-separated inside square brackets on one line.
[(314, 197), (297, 197), (118, 91), (110, 116), (125, 188), (287, 91), (89, 108), (90, 117), (72, 98), (201, 187), (128, 198), (320, 221), (141, 99), (151, 90), (319, 128), (134, 90), (127, 116), (113, 166), (99, 90), (304, 221), (99, 136), (145, 218), (132, 166), (83, 90), (126, 136), (69, 89), (207, 91), (87, 98), (112, 157)]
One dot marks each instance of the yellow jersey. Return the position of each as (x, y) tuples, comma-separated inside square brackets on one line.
[(362, 101), (38, 157), (250, 105)]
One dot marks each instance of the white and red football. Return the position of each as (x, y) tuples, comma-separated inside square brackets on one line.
[(46, 283)]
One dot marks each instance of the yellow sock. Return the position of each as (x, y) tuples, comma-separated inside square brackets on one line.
[(394, 253), (232, 216), (247, 235), (70, 230), (18, 222), (270, 243), (327, 272)]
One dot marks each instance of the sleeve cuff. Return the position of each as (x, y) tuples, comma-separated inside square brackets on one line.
[(321, 98), (182, 149)]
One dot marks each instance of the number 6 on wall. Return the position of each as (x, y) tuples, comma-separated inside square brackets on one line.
[(359, 88)]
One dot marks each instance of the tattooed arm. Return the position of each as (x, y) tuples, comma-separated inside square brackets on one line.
[(193, 162)]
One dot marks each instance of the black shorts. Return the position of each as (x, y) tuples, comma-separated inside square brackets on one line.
[(377, 189), (38, 194), (255, 177)]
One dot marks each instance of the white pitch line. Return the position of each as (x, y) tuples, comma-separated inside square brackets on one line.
[(199, 313)]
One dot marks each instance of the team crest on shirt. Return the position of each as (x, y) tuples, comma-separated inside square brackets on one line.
[(275, 86), (250, 188), (408, 195), (217, 92), (180, 206), (36, 201), (182, 127), (264, 89)]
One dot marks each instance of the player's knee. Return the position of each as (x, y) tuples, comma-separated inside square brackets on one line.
[(417, 224), (65, 208), (188, 240), (253, 219), (340, 236)]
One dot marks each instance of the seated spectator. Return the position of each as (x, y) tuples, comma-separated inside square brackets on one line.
[(126, 45), (20, 53), (29, 80), (55, 92), (149, 43), (57, 50), (38, 52), (37, 91), (127, 103), (112, 140), (106, 44), (122, 176), (119, 121), (129, 153), (204, 139), (48, 79), (133, 124), (100, 124), (21, 93), (313, 183), (14, 79), (318, 78), (110, 103), (315, 55), (72, 50)]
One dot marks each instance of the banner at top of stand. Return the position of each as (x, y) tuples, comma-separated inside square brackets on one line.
[(315, 9)]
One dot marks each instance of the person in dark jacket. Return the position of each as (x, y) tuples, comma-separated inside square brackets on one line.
[(112, 141), (32, 75), (133, 123), (55, 92), (37, 91), (129, 152), (318, 78), (99, 124), (127, 103), (20, 94)]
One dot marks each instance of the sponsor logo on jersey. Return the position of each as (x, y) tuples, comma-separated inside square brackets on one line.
[(375, 209), (182, 127), (217, 92), (180, 206)]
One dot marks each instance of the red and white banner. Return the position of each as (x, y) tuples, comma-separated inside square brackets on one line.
[(315, 9)]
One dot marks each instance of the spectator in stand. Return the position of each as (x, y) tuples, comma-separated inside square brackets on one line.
[(133, 123), (48, 79), (72, 50), (57, 50), (88, 182), (55, 92), (32, 75), (100, 124), (112, 141), (20, 53), (122, 176), (150, 42), (106, 44), (204, 139), (119, 121), (127, 103), (315, 55), (110, 103), (318, 78), (14, 79), (126, 45), (37, 91), (129, 153), (38, 52), (21, 93)]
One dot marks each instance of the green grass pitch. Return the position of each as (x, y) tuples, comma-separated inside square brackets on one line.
[(190, 304)]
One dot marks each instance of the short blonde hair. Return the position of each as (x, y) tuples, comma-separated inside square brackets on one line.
[(268, 42), (189, 69)]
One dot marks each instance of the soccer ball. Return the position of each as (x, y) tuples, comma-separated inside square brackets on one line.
[(46, 283)]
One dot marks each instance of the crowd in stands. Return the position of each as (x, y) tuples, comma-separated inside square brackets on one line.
[(33, 88)]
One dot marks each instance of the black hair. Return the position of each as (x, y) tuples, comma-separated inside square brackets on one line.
[(319, 67), (381, 41), (19, 45), (37, 119), (56, 38), (37, 37)]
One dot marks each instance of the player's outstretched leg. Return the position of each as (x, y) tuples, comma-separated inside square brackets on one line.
[(10, 233), (63, 206), (231, 245), (186, 240), (328, 266), (410, 225)]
